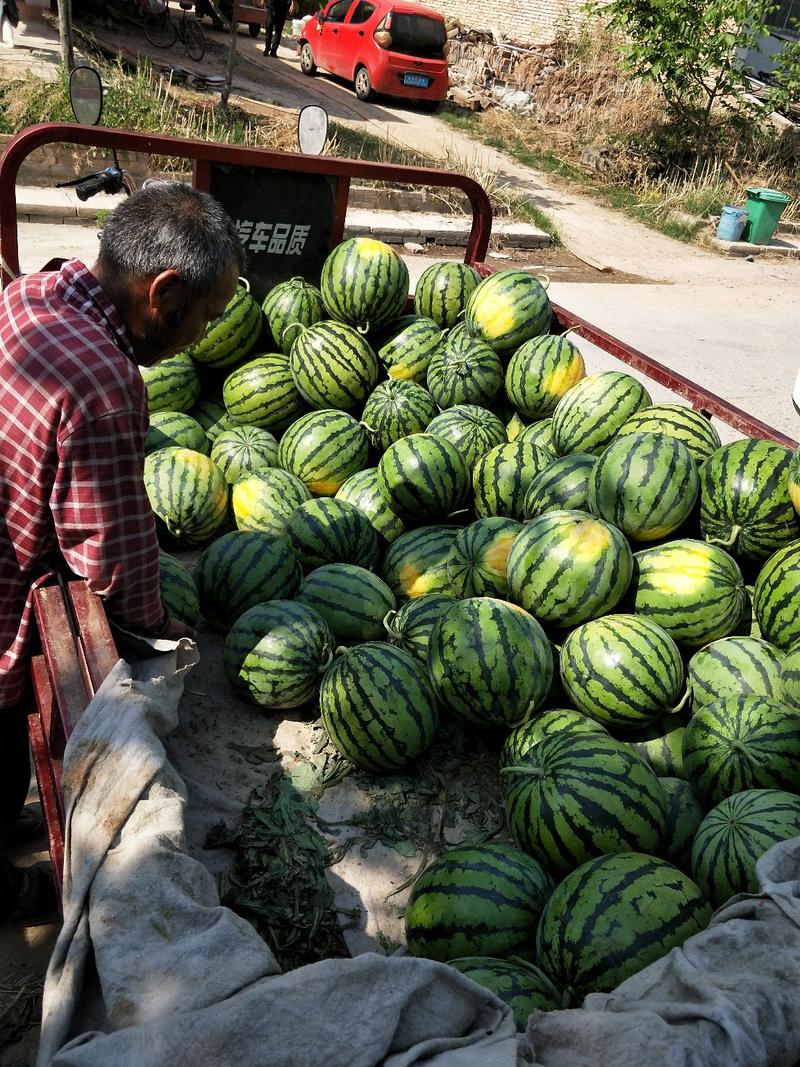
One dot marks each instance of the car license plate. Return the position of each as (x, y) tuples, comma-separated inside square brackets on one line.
[(421, 81)]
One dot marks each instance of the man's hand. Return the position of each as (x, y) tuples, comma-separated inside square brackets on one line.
[(174, 629)]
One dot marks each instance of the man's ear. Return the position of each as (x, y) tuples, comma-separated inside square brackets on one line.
[(166, 292)]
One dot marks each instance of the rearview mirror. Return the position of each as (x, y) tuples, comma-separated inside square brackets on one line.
[(312, 129), (86, 95)]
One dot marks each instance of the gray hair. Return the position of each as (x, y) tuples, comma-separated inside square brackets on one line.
[(171, 225)]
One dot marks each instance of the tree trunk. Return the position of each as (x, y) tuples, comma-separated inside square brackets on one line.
[(226, 89), (65, 34)]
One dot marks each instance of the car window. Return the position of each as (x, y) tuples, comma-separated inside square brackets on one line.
[(417, 35), (362, 12), (337, 12)]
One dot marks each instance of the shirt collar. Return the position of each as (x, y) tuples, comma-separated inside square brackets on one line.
[(77, 286)]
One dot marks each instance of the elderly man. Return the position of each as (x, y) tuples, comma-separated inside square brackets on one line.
[(73, 418)]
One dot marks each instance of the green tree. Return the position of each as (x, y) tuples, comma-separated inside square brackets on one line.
[(786, 75)]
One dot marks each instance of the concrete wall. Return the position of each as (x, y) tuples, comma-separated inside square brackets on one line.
[(527, 21)]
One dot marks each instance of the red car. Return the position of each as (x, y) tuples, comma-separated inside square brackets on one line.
[(382, 46)]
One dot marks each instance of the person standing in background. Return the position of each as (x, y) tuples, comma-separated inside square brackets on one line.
[(277, 12)]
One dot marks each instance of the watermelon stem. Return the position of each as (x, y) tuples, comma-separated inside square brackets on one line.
[(728, 542), (329, 660), (679, 707), (543, 280), (388, 619), (531, 772), (286, 329), (245, 284)]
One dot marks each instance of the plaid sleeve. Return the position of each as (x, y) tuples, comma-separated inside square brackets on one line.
[(103, 520)]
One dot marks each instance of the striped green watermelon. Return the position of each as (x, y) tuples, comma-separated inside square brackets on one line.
[(539, 433), (734, 836), (661, 745), (477, 562), (613, 916), (472, 429), (546, 723), (588, 417), (691, 427), (693, 589), (416, 562), (684, 815), (241, 569), (174, 429), (566, 568), (210, 413), (562, 486), (323, 448), (242, 450), (364, 283), (395, 409), (502, 476), (489, 662), (520, 985), (423, 477), (178, 590), (262, 393), (187, 492), (578, 795), (540, 372), (744, 499), (290, 306), (264, 500), (734, 666), (333, 366), (323, 530), (275, 654), (378, 707), (411, 625), (409, 351), (776, 597), (352, 600), (173, 384), (508, 308), (741, 743), (469, 373), (476, 900), (231, 337), (622, 670), (645, 484), (793, 480), (790, 677), (361, 490), (514, 425), (443, 290)]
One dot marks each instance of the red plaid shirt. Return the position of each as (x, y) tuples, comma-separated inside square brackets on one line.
[(73, 417)]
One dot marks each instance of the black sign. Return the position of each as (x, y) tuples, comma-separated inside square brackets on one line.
[(284, 220)]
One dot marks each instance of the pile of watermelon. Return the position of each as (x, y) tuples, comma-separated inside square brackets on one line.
[(405, 517)]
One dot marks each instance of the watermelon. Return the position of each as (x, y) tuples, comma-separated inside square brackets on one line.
[(364, 283), (409, 351), (734, 666), (352, 600), (588, 417), (693, 589), (243, 449), (210, 413), (793, 480), (395, 409), (411, 625), (230, 338), (744, 499), (262, 393), (522, 986), (322, 449), (562, 486), (378, 707), (289, 307), (691, 427), (361, 490), (489, 662), (661, 745), (476, 900), (323, 531), (508, 308), (790, 677), (472, 429), (734, 836), (416, 562), (742, 743), (514, 425), (776, 597), (187, 492), (333, 366), (477, 562), (566, 568), (241, 569), (546, 723), (174, 429), (443, 290), (645, 484), (540, 434), (613, 916), (622, 670), (468, 373), (540, 372), (578, 795), (178, 590), (423, 477), (684, 816), (275, 654), (502, 476), (172, 384), (265, 500)]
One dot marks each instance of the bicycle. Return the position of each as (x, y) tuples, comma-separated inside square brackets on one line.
[(163, 31)]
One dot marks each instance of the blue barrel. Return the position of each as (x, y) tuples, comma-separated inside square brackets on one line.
[(732, 223)]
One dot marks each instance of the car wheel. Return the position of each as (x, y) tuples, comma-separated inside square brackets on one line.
[(363, 85), (253, 28), (307, 64)]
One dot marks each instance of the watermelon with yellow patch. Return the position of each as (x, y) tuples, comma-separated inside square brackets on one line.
[(540, 372), (508, 308), (478, 559), (416, 563)]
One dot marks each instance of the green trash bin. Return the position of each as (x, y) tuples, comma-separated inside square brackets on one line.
[(764, 209)]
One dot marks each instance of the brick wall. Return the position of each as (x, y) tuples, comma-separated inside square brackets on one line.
[(532, 21)]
